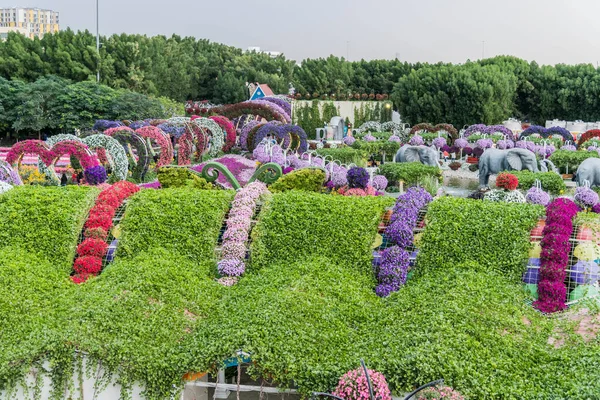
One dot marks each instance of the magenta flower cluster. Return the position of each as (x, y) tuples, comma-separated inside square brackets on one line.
[(552, 292), (353, 386), (391, 272), (239, 223)]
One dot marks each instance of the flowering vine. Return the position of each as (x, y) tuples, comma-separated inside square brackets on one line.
[(94, 247), (552, 292), (235, 239)]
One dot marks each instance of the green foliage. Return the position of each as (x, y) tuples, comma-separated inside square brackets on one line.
[(296, 225), (377, 148), (345, 155), (55, 105), (572, 159), (183, 221), (45, 221), (378, 135), (493, 235), (551, 182), (176, 177), (306, 179), (411, 173), (456, 94)]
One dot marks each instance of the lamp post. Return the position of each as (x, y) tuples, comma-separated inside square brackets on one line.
[(97, 42)]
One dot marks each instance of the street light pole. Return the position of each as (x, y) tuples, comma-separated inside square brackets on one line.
[(97, 42)]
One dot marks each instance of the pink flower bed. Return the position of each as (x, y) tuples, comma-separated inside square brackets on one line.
[(240, 167)]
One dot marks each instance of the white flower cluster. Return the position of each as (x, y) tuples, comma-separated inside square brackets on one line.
[(5, 187), (216, 133), (118, 157), (511, 196)]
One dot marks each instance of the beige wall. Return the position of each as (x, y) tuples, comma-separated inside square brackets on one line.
[(346, 107)]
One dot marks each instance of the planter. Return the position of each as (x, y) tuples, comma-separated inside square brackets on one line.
[(567, 176), (472, 160)]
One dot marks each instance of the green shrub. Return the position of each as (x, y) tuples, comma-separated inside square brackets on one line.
[(494, 235), (306, 179), (184, 221), (378, 135), (297, 225), (46, 221), (345, 155), (411, 173), (572, 159), (551, 182), (176, 177), (379, 147)]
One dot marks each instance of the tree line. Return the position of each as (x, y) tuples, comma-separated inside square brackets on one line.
[(184, 68), (53, 105)]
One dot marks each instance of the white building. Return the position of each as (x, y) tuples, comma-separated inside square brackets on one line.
[(35, 22), (4, 31)]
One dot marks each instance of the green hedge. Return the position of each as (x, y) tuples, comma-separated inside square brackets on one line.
[(551, 182), (185, 221), (307, 180), (564, 158), (378, 148), (494, 235), (411, 173), (46, 221), (298, 225), (346, 155), (378, 135), (175, 177)]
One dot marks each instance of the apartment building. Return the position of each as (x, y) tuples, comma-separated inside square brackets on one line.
[(34, 21)]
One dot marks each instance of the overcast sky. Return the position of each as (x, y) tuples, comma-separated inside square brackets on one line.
[(548, 31)]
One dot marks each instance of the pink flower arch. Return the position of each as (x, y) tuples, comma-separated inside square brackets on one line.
[(162, 140)]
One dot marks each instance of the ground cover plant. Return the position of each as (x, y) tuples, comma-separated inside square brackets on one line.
[(306, 309)]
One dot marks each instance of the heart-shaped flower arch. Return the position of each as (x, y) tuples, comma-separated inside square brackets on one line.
[(50, 156)]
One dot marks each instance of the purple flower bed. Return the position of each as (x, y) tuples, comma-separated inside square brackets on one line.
[(287, 107), (392, 270)]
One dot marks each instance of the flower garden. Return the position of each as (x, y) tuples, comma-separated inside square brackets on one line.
[(184, 242)]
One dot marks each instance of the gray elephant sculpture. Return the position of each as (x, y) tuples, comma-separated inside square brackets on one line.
[(589, 170), (423, 154), (493, 161)]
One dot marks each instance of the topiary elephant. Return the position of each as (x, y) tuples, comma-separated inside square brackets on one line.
[(423, 154), (589, 170), (493, 161)]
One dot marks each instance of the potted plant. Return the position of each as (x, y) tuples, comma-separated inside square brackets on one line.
[(454, 165)]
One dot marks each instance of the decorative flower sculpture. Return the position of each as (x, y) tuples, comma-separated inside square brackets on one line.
[(585, 197), (440, 142), (416, 140), (349, 140), (229, 130), (162, 140)]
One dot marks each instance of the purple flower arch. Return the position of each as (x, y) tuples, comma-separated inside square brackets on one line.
[(246, 132), (287, 107), (265, 109), (299, 138)]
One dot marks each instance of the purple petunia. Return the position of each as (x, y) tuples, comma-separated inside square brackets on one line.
[(357, 178), (379, 182), (95, 175), (231, 267), (536, 195), (585, 197), (461, 143), (416, 140), (349, 140), (439, 142)]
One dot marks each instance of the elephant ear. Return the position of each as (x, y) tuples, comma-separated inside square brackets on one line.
[(412, 154), (514, 161)]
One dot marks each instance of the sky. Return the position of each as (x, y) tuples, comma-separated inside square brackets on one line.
[(547, 31)]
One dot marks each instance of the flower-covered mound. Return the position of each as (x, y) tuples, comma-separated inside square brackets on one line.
[(303, 312)]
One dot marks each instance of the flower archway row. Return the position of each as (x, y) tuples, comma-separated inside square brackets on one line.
[(128, 138), (288, 136), (150, 132), (94, 172), (449, 128), (265, 109), (102, 144), (199, 128)]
